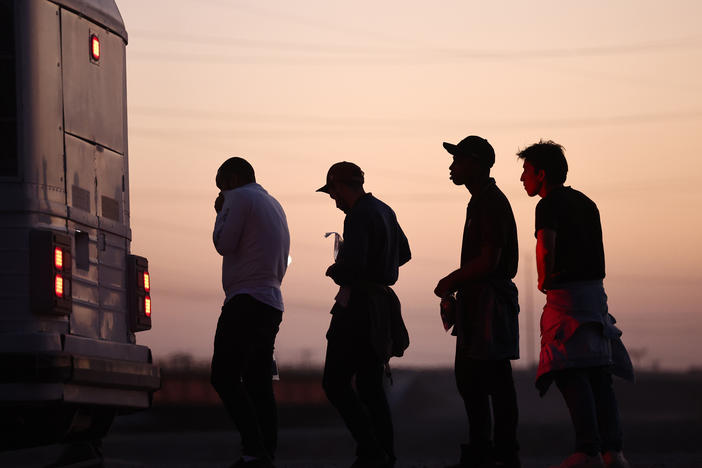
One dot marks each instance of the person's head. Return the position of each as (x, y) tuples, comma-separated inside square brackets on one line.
[(344, 184), (545, 167), (472, 159), (233, 173)]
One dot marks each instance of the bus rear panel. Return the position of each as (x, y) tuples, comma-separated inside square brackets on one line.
[(72, 296)]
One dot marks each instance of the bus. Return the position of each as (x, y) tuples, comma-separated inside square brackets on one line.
[(72, 295)]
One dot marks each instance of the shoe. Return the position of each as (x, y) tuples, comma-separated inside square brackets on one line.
[(582, 460), (80, 455), (614, 459), (255, 463)]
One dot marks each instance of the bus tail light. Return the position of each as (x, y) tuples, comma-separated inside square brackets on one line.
[(58, 258), (58, 286), (139, 290), (50, 272), (94, 48)]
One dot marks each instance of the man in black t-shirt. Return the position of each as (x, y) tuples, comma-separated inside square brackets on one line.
[(579, 254), (486, 327), (580, 346)]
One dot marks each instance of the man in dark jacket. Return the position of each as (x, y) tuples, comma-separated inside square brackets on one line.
[(486, 325), (366, 326)]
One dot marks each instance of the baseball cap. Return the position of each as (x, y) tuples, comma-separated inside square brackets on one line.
[(343, 171), (475, 147)]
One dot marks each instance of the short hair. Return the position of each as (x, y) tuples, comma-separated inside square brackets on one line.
[(239, 167), (549, 157)]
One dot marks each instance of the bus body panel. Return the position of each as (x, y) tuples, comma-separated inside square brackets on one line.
[(94, 107), (64, 178), (40, 107)]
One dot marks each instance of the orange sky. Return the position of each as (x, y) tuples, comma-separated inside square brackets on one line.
[(296, 87)]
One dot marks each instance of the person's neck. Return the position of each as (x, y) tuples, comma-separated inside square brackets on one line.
[(547, 188), (354, 197), (478, 185)]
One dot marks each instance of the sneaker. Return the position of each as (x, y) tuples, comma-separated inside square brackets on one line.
[(614, 459), (80, 455), (582, 460)]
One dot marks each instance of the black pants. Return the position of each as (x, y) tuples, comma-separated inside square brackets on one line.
[(589, 395), (479, 381), (242, 371), (365, 409)]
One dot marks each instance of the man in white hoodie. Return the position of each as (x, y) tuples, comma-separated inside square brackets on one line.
[(251, 233)]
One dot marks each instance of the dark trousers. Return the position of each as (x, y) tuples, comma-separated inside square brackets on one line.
[(589, 395), (365, 409), (242, 371), (479, 381)]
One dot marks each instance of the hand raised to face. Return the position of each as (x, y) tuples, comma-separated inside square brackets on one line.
[(219, 202)]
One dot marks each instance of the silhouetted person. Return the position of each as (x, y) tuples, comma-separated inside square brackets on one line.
[(486, 328), (366, 326), (251, 234), (580, 346)]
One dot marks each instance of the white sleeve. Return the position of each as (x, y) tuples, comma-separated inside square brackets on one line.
[(230, 223)]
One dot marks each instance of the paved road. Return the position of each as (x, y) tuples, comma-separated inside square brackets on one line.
[(300, 448)]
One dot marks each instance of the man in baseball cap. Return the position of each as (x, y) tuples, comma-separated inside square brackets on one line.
[(474, 147), (343, 171), (486, 328), (366, 328), (344, 184)]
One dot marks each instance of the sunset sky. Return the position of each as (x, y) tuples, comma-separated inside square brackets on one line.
[(296, 86)]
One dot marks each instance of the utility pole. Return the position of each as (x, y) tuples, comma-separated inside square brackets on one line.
[(530, 316)]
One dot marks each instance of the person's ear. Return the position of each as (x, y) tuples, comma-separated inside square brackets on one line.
[(541, 175)]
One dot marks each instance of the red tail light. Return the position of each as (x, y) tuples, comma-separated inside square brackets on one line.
[(95, 47), (139, 293), (58, 258), (50, 272), (58, 286)]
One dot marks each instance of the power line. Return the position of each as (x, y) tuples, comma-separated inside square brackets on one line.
[(241, 42), (294, 121), (685, 42), (267, 14)]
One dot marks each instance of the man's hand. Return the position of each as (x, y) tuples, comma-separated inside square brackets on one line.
[(541, 285), (219, 202), (545, 257), (444, 287)]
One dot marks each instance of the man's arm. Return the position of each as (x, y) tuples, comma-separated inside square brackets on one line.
[(475, 269), (545, 257), (229, 224)]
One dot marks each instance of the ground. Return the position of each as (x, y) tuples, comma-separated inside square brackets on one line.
[(662, 416)]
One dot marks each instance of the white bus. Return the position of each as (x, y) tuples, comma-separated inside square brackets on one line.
[(72, 297)]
